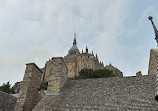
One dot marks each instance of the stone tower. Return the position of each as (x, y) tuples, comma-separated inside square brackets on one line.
[(29, 94), (75, 61), (152, 61)]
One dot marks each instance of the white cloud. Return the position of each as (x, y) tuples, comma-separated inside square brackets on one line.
[(36, 30)]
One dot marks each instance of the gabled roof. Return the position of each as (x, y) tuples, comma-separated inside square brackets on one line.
[(104, 94)]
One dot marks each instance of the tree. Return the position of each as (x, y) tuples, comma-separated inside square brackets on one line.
[(6, 87), (89, 73), (101, 73)]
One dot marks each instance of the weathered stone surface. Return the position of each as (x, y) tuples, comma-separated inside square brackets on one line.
[(58, 75), (7, 102), (29, 95), (153, 61), (75, 61), (104, 94), (16, 87)]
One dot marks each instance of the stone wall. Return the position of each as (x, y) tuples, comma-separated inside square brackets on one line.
[(104, 94), (7, 102), (71, 64), (75, 63), (85, 61), (16, 87), (58, 75), (152, 61), (47, 70), (29, 95)]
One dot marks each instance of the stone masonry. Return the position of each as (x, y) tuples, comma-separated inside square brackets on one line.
[(75, 61), (104, 94), (58, 75), (7, 101), (152, 61), (29, 96)]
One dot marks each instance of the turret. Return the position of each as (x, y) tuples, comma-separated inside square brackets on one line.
[(92, 52), (86, 49), (102, 63), (96, 57)]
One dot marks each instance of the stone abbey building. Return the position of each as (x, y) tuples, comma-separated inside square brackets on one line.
[(75, 61)]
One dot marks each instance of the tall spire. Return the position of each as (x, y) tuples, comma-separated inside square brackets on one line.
[(74, 47), (74, 42), (154, 27)]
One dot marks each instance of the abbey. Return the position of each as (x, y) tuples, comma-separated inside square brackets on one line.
[(75, 61)]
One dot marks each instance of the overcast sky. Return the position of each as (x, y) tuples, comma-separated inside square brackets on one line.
[(36, 30)]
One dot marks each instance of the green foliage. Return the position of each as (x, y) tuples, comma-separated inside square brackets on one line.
[(86, 73), (89, 73), (44, 85), (6, 87)]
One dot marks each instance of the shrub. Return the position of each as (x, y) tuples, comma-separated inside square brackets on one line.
[(6, 87), (89, 73)]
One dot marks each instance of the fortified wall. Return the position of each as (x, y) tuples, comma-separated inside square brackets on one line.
[(75, 61), (56, 73), (29, 94)]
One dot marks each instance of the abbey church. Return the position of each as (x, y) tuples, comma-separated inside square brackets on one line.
[(76, 60)]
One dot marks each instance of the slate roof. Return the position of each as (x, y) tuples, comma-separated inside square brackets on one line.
[(74, 47), (7, 102), (104, 94)]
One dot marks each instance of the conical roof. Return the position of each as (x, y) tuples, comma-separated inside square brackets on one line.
[(74, 47)]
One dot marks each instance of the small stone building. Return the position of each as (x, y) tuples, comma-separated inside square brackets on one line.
[(114, 69)]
